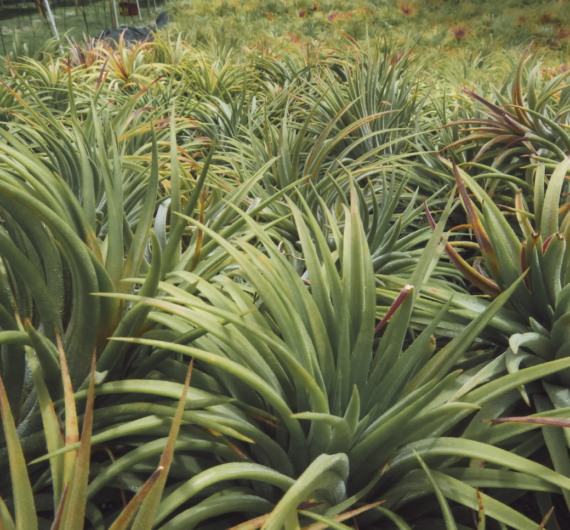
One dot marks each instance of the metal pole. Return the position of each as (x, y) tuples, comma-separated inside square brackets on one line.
[(51, 22), (114, 19)]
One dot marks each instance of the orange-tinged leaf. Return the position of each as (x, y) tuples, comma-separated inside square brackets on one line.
[(546, 243), (498, 139), (78, 498), (147, 513), (344, 516), (518, 92), (480, 234), (51, 424), (24, 508), (71, 426), (524, 223), (553, 422), (395, 305), (258, 522), (461, 141), (59, 513), (122, 522), (252, 524), (6, 522), (524, 266), (481, 517), (545, 520), (478, 280)]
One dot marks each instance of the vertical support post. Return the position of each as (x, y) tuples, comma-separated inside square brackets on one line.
[(51, 22), (114, 18)]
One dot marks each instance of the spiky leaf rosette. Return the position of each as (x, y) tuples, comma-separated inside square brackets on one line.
[(336, 413)]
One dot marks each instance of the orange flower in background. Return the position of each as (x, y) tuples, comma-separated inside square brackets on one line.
[(459, 32), (549, 73), (332, 16), (271, 17), (315, 6), (302, 13), (521, 21), (407, 8)]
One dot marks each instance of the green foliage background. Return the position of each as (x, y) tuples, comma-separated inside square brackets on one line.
[(275, 271)]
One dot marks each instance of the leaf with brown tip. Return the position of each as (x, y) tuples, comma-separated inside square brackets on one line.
[(147, 513), (481, 516), (252, 524), (6, 522), (78, 499), (122, 522), (71, 426), (524, 266), (52, 431), (524, 223), (545, 520), (395, 305), (59, 513), (461, 141), (24, 507), (478, 280), (553, 422), (497, 139), (518, 92), (344, 516), (497, 111), (480, 234)]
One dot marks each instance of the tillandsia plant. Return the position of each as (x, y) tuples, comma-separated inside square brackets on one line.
[(519, 122), (79, 197), (497, 134), (69, 473), (535, 245), (259, 211), (329, 414), (60, 245)]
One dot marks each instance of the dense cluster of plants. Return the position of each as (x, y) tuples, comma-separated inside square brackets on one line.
[(283, 288), (427, 24)]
